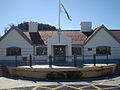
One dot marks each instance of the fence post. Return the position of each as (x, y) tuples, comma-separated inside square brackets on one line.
[(107, 59), (50, 61), (16, 61), (75, 59), (30, 60), (83, 61), (94, 59)]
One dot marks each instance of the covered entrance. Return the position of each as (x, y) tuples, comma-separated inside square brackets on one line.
[(59, 46), (59, 53)]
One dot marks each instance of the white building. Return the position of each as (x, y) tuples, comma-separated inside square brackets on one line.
[(83, 43)]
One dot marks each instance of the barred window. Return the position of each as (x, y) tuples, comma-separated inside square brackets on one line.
[(76, 51), (103, 50), (41, 51), (13, 51)]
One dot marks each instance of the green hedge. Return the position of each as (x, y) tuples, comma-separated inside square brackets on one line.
[(65, 75)]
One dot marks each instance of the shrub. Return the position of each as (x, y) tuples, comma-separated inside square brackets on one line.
[(68, 75), (55, 76), (73, 74)]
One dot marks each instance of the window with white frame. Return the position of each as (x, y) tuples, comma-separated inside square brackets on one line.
[(41, 51), (76, 50), (13, 51), (103, 50)]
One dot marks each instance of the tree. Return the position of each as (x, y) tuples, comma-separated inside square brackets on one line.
[(8, 27), (24, 26)]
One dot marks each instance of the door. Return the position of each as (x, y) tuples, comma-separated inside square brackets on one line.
[(59, 54)]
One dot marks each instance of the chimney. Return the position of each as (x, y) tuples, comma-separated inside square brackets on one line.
[(33, 26), (86, 26)]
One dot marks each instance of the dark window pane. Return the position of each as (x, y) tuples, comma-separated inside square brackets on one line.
[(76, 51), (41, 51), (59, 50), (103, 50), (89, 49), (13, 51)]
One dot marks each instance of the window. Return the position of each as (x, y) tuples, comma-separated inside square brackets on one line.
[(89, 49), (76, 51), (13, 51), (103, 50), (41, 51)]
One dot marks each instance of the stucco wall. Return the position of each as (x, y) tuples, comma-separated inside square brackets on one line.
[(103, 38), (14, 39)]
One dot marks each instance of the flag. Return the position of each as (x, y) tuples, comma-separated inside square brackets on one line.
[(62, 9)]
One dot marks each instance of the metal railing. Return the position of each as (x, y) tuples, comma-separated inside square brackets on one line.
[(29, 58), (50, 60)]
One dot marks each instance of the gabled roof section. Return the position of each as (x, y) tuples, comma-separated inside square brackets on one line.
[(97, 30), (19, 31), (36, 38)]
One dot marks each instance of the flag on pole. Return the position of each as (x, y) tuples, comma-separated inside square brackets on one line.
[(62, 9)]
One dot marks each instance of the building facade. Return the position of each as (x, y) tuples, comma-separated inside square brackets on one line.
[(61, 44)]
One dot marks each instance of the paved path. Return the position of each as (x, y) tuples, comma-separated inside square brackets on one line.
[(71, 87), (108, 83)]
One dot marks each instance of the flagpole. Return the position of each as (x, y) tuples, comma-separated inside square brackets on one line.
[(59, 23), (59, 16)]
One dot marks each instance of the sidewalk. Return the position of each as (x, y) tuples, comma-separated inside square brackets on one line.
[(7, 83)]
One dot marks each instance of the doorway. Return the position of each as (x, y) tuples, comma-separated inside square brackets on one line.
[(59, 53)]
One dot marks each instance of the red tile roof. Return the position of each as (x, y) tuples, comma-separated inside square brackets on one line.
[(76, 36), (116, 33)]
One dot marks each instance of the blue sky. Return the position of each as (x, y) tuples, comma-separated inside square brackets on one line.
[(46, 11)]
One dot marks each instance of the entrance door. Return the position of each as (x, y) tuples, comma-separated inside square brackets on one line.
[(59, 54)]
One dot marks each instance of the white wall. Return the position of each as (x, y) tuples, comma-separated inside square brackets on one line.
[(103, 38), (86, 26), (14, 39), (64, 40), (33, 26)]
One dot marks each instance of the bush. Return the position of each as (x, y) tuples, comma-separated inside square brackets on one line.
[(73, 75), (65, 75), (55, 76)]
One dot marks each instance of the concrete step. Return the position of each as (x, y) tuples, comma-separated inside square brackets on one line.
[(117, 71), (118, 65), (3, 71)]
